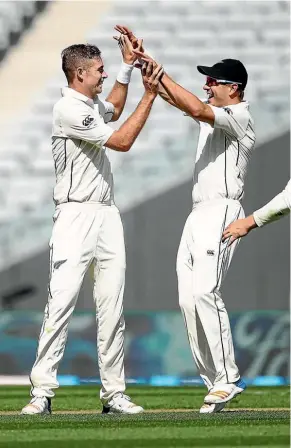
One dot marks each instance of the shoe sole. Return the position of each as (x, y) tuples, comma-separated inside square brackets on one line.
[(218, 407), (35, 413), (234, 394)]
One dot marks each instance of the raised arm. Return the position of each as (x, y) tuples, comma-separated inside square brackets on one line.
[(182, 98), (187, 101), (118, 94), (138, 45), (163, 94), (124, 137)]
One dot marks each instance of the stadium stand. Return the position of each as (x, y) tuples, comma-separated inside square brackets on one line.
[(180, 35), (15, 18)]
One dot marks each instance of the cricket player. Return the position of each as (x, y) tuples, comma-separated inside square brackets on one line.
[(225, 145), (278, 207), (87, 225)]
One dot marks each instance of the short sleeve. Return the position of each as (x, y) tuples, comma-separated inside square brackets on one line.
[(106, 110), (230, 121), (77, 122)]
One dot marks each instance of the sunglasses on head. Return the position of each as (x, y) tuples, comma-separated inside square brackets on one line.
[(215, 82)]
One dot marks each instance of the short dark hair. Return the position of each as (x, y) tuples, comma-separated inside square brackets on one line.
[(241, 93), (77, 56)]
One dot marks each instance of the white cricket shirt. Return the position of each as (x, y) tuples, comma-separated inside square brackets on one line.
[(223, 153), (83, 172), (278, 207)]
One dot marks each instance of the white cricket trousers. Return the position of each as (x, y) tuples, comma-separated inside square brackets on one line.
[(82, 233), (202, 262)]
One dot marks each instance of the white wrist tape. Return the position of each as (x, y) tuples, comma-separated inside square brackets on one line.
[(124, 74)]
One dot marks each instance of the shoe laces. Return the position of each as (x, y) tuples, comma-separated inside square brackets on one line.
[(122, 396), (43, 399)]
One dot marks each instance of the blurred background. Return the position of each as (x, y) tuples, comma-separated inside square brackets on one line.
[(153, 182)]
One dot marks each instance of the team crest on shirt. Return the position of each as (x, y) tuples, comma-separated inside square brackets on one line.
[(210, 252), (228, 110), (88, 120)]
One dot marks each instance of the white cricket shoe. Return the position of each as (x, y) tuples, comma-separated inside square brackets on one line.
[(121, 404), (38, 405), (211, 408), (222, 393)]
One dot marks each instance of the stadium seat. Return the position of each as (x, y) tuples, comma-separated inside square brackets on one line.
[(15, 18)]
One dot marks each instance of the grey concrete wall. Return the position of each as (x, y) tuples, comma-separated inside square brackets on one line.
[(257, 279)]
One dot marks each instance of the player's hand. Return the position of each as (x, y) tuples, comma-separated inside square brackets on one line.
[(238, 229), (143, 57), (126, 31), (129, 57), (151, 77)]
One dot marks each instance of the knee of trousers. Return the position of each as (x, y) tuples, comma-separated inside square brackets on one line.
[(62, 297), (66, 282), (115, 268)]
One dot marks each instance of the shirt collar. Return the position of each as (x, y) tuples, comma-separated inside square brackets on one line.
[(68, 91), (242, 105)]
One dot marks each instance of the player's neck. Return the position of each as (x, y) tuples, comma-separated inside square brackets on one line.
[(233, 101), (81, 89)]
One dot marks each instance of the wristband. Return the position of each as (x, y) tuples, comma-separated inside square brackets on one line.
[(124, 74)]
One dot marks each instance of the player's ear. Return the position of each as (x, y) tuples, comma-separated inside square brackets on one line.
[(233, 89), (80, 73)]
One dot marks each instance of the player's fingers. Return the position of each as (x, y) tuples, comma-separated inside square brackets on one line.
[(127, 31), (226, 234), (123, 41), (126, 39), (120, 29), (138, 52), (156, 72), (127, 42), (143, 69), (117, 28), (142, 55), (149, 69), (116, 38), (139, 43), (158, 76), (157, 69), (232, 240)]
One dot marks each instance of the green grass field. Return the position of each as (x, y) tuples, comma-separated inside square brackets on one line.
[(259, 418)]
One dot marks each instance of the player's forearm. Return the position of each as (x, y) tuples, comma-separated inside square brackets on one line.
[(118, 94), (182, 98), (274, 210), (125, 136), (163, 94), (117, 97)]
